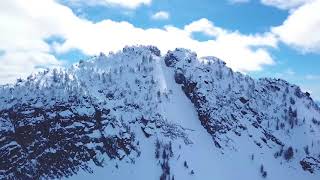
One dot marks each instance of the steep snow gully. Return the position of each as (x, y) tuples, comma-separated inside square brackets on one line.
[(136, 114)]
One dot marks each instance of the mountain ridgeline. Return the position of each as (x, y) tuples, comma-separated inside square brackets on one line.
[(136, 114)]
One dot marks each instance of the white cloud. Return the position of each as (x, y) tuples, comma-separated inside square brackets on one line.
[(130, 4), (15, 65), (280, 4), (26, 24), (161, 15), (301, 29), (248, 51), (286, 4), (22, 40), (205, 26)]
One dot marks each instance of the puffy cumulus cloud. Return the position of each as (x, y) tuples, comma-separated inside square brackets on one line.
[(301, 29), (205, 26), (129, 4), (241, 52), (285, 4), (22, 39), (21, 64), (25, 26), (161, 15)]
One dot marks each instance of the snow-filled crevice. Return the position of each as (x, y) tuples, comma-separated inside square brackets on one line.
[(136, 114)]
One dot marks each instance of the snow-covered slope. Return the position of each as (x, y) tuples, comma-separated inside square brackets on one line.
[(138, 115)]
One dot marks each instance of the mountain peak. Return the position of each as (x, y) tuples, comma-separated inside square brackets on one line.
[(176, 115), (142, 48)]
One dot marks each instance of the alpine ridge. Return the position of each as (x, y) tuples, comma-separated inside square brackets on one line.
[(138, 114)]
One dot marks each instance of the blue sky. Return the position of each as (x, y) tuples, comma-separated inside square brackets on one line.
[(250, 17), (263, 38)]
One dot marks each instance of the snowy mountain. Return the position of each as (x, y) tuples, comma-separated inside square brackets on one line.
[(136, 114)]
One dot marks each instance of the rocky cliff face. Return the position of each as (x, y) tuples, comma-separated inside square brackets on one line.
[(136, 109), (231, 104)]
